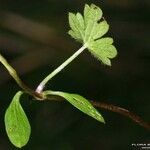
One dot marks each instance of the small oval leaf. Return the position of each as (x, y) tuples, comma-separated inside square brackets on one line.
[(79, 102), (16, 122)]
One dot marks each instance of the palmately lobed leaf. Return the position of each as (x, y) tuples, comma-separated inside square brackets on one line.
[(88, 29), (16, 123)]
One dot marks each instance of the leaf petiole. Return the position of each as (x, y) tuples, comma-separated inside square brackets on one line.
[(58, 69)]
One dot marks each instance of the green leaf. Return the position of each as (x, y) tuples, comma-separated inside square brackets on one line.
[(16, 122), (79, 102), (77, 24), (103, 49), (88, 30), (92, 14)]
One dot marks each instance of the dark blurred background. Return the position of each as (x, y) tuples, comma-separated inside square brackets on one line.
[(33, 37)]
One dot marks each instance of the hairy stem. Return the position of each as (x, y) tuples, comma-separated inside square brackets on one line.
[(123, 112), (16, 77), (40, 96), (61, 67), (109, 107)]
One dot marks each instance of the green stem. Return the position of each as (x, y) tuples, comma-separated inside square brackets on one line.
[(16, 77), (57, 70)]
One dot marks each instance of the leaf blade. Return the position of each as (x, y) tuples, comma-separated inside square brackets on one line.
[(75, 26), (101, 29), (92, 14), (103, 50), (80, 103), (16, 123), (88, 29)]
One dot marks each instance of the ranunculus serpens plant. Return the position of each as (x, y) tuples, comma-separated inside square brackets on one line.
[(89, 30)]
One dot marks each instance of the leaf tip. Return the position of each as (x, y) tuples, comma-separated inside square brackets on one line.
[(86, 5), (103, 120), (19, 145), (93, 6), (109, 63), (70, 13), (99, 117)]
